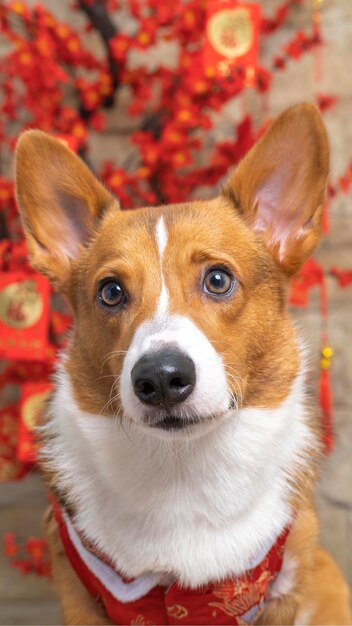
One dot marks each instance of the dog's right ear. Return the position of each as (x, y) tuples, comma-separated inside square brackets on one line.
[(60, 202), (279, 187)]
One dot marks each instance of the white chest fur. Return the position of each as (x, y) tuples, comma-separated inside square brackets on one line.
[(200, 510)]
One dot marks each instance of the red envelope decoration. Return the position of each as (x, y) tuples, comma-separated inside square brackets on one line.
[(24, 315), (33, 399), (232, 37)]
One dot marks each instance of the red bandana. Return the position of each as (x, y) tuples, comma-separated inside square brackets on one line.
[(144, 601)]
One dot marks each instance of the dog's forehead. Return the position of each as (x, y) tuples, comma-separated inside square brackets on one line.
[(145, 233)]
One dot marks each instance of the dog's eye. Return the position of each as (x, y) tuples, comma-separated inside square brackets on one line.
[(218, 282), (111, 294)]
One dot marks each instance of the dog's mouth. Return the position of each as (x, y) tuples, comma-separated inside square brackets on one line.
[(174, 422)]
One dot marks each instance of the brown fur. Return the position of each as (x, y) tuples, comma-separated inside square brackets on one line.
[(77, 235)]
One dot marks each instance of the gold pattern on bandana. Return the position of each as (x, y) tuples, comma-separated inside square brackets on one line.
[(141, 621), (230, 32), (32, 408), (21, 305), (177, 611), (238, 597)]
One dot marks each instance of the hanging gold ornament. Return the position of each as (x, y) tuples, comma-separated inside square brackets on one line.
[(326, 355)]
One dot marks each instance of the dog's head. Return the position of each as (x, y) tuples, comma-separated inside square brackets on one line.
[(179, 311)]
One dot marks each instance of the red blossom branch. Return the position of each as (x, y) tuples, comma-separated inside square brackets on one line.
[(101, 21), (30, 557)]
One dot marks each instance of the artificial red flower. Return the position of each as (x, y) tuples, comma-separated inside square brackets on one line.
[(119, 46)]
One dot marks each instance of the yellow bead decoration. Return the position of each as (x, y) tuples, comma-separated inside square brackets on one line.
[(326, 354)]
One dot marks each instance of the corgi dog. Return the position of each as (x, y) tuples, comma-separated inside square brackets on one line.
[(180, 450)]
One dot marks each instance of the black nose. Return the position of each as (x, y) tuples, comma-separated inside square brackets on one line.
[(163, 377)]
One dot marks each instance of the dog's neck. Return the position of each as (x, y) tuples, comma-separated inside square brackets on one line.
[(198, 511)]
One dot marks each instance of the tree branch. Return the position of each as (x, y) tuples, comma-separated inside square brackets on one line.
[(101, 21)]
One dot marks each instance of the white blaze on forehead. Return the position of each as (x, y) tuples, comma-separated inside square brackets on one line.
[(161, 239)]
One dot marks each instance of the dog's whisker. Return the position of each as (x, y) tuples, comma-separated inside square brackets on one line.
[(234, 388), (111, 399), (108, 403), (236, 379), (113, 354)]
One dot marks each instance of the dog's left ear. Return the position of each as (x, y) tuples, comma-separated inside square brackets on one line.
[(279, 187), (60, 201)]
